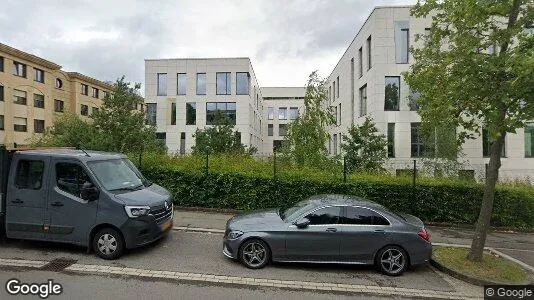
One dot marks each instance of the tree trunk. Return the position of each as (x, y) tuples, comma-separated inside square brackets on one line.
[(483, 223)]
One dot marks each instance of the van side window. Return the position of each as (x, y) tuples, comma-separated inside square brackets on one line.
[(70, 178), (29, 174)]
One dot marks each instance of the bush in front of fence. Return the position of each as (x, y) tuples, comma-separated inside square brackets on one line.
[(433, 200)]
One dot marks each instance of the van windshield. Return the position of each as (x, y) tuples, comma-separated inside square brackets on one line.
[(118, 174)]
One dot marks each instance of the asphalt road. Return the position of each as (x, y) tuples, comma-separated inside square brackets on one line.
[(117, 288), (201, 253)]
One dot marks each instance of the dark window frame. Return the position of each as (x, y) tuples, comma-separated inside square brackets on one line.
[(36, 77), (161, 90), (23, 67), (173, 113), (227, 83), (416, 140), (190, 113), (77, 184), (27, 177), (396, 104), (84, 89), (151, 113), (231, 113), (391, 140), (178, 81), (237, 74), (36, 128), (84, 110), (205, 84), (39, 103), (59, 105), (369, 53)]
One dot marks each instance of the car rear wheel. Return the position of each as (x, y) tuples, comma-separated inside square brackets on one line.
[(254, 254), (392, 260), (108, 243)]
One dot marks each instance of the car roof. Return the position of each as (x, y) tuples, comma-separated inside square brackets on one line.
[(83, 155), (338, 199)]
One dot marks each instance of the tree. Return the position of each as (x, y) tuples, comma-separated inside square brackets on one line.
[(476, 71), (220, 138), (306, 137), (69, 131), (365, 149)]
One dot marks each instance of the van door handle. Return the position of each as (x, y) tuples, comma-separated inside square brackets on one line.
[(57, 204), (17, 201), (331, 230), (380, 231)]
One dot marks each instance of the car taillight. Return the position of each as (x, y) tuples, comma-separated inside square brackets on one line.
[(424, 235)]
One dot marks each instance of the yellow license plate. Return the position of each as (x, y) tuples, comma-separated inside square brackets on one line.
[(165, 226)]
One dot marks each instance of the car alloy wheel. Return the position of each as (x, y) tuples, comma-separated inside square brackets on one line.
[(254, 254), (108, 244), (392, 260)]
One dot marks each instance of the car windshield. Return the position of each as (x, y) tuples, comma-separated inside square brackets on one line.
[(118, 174), (289, 213)]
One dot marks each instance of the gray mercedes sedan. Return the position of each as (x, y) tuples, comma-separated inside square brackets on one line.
[(329, 229)]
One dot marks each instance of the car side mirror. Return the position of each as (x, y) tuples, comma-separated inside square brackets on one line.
[(302, 223), (89, 192)]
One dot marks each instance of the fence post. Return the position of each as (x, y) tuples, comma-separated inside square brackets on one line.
[(345, 169), (274, 163), (207, 164), (485, 171), (414, 173)]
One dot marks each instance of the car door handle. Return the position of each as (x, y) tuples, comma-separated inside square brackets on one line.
[(57, 204), (380, 231), (331, 230), (17, 201)]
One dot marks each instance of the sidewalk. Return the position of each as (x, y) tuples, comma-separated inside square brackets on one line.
[(518, 245)]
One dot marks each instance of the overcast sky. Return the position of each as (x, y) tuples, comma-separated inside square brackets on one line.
[(105, 39)]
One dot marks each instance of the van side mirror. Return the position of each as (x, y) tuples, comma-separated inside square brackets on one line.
[(89, 192), (302, 223)]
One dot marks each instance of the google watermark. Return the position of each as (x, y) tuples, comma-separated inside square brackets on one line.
[(505, 292), (43, 290)]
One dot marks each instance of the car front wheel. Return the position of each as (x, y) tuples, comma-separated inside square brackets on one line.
[(392, 260), (254, 254), (108, 243)]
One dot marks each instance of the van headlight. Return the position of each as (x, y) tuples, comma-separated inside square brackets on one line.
[(136, 211), (234, 234)]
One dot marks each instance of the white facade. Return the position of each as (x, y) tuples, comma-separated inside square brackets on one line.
[(179, 87), (281, 106), (386, 29)]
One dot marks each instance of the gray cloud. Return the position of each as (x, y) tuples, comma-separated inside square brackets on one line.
[(106, 39)]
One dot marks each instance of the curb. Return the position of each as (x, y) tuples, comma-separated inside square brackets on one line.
[(197, 229)]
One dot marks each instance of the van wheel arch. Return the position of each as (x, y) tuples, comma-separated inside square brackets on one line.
[(98, 228)]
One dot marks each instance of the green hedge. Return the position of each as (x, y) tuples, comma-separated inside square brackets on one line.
[(431, 200)]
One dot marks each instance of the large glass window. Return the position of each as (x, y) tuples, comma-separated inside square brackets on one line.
[(270, 113), (402, 41), (58, 105), (19, 69), (337, 92), (38, 126), (84, 89), (38, 75), (270, 129), (162, 84), (282, 129), (70, 178), (412, 99), (151, 109), (486, 144), (391, 139), (181, 84), (19, 97), (95, 92), (213, 109), (363, 216), (282, 113), (29, 174), (117, 174), (334, 90), (363, 100), (369, 54), (293, 113), (529, 140), (360, 62), (201, 83), (173, 113), (242, 83), (417, 146), (325, 216), (190, 113), (38, 100), (392, 93), (224, 83)]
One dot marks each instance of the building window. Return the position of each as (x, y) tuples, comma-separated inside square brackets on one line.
[(352, 90), (427, 35), (277, 144), (84, 110), (106, 94), (190, 113), (1, 64), (38, 75), (84, 89), (173, 113), (293, 113), (412, 100), (335, 144), (363, 100), (1, 93), (334, 90), (162, 84), (392, 93), (38, 126), (201, 83), (94, 111), (59, 83), (529, 140), (337, 93), (224, 83), (181, 84), (391, 139), (270, 113), (151, 109), (58, 105), (95, 92), (225, 108), (38, 101), (161, 136), (282, 113), (1, 122), (486, 144), (330, 94), (369, 54), (20, 124), (270, 129), (417, 147), (335, 114), (182, 143), (19, 69), (281, 129), (402, 41), (19, 97), (242, 83), (360, 62)]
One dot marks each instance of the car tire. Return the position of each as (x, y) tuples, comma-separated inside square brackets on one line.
[(108, 243), (254, 254), (392, 260)]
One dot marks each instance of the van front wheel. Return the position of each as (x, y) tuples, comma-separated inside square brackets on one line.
[(108, 243)]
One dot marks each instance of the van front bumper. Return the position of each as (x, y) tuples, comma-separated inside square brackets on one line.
[(144, 230)]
